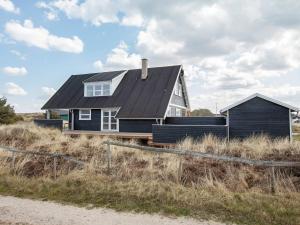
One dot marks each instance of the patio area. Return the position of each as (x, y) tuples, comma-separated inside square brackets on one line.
[(129, 135)]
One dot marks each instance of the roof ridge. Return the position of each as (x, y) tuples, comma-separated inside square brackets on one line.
[(111, 71), (275, 101)]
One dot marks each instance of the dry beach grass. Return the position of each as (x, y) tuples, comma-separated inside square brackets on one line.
[(143, 181)]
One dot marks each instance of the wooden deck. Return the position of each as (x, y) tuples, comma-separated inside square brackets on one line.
[(127, 135)]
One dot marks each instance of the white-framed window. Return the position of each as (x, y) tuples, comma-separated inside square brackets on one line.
[(109, 121), (178, 112), (97, 89), (84, 114), (89, 90), (178, 88), (106, 89), (174, 111)]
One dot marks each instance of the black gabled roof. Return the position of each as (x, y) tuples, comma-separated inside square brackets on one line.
[(136, 98), (105, 76)]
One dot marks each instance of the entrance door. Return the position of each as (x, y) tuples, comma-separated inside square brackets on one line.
[(109, 122)]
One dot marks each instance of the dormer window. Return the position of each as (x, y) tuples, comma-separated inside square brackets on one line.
[(102, 84), (97, 89)]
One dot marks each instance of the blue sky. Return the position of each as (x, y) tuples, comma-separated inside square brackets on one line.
[(228, 49)]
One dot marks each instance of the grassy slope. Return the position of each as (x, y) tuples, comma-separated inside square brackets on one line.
[(154, 197), (149, 183)]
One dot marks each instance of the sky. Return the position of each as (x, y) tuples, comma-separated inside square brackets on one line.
[(229, 49)]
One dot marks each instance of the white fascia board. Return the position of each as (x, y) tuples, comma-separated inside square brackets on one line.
[(260, 96)]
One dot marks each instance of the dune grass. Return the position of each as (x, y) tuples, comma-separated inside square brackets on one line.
[(147, 182), (159, 197)]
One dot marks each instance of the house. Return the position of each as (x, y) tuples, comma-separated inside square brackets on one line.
[(122, 101), (254, 115), (154, 101), (259, 114)]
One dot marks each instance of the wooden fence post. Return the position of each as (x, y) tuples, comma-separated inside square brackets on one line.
[(13, 159), (108, 155), (54, 167), (273, 180)]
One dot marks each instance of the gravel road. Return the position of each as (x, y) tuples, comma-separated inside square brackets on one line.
[(15, 211)]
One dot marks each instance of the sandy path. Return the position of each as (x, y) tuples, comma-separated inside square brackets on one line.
[(31, 212)]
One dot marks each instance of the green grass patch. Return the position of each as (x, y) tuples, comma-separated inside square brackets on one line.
[(159, 197)]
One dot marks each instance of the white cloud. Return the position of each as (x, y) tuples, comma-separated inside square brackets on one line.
[(96, 12), (41, 38), (132, 20), (48, 92), (119, 58), (15, 71), (50, 12), (19, 54), (224, 58), (14, 89), (98, 65), (51, 16), (152, 40), (9, 6), (93, 11)]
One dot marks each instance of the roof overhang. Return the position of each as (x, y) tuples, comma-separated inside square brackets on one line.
[(292, 108)]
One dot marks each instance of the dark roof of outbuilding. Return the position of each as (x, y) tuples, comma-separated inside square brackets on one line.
[(105, 76), (255, 95), (137, 98)]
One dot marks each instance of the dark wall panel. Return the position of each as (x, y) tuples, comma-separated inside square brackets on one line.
[(175, 133), (70, 119), (93, 124), (139, 126), (49, 123), (258, 116), (205, 120)]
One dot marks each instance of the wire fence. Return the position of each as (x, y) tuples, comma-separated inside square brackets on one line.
[(54, 156), (180, 152)]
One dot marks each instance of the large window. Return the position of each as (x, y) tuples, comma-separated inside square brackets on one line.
[(109, 122), (178, 112), (174, 111), (85, 114), (178, 88), (97, 89)]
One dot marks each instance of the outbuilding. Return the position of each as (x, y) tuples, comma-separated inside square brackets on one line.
[(259, 114)]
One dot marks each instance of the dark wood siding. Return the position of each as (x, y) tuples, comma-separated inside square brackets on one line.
[(139, 126), (176, 133), (258, 116), (93, 124), (205, 120)]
